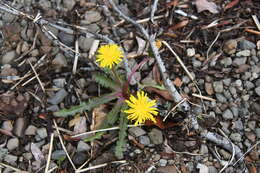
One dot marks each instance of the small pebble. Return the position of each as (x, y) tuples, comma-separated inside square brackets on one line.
[(42, 133), (156, 136), (136, 131), (12, 144), (236, 137), (218, 86), (227, 114), (31, 130)]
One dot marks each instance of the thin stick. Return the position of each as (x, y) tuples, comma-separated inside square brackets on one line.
[(151, 39), (212, 44), (11, 167), (257, 23), (183, 100), (52, 169), (100, 130), (179, 60), (49, 154), (37, 76), (154, 8), (75, 64), (63, 146), (203, 97), (233, 152), (242, 157), (253, 31), (99, 166)]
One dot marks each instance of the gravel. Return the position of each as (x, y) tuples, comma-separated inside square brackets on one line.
[(257, 91), (8, 57), (227, 114), (42, 132), (31, 130), (218, 86), (136, 131), (236, 137), (58, 97), (243, 53), (245, 44), (12, 144), (82, 147), (156, 136), (145, 140)]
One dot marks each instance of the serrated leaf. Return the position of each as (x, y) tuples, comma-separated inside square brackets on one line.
[(122, 136), (85, 106), (105, 81), (98, 135)]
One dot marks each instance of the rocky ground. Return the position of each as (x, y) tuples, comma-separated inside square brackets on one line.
[(37, 79)]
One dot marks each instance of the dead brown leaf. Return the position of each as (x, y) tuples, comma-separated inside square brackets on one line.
[(164, 93), (173, 3), (98, 115), (203, 5), (179, 25), (231, 4)]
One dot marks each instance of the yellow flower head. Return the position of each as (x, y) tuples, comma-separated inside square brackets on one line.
[(109, 55), (141, 108)]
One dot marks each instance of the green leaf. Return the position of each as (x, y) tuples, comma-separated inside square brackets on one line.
[(85, 106), (98, 135), (121, 137), (105, 81)]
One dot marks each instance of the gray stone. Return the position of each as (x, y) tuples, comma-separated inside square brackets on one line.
[(67, 39), (60, 82), (233, 91), (257, 131), (249, 85), (136, 131), (162, 162), (196, 63), (227, 114), (156, 136), (85, 43), (7, 125), (28, 156), (36, 165), (58, 97), (218, 86), (243, 53), (245, 97), (69, 4), (257, 91), (190, 52), (12, 144), (221, 98), (19, 126), (234, 110), (91, 17), (60, 61), (238, 125), (256, 108), (245, 44), (8, 57), (145, 140), (212, 169), (31, 130), (226, 82), (45, 4), (236, 137), (185, 79), (42, 133), (82, 147), (10, 159), (239, 61), (8, 17), (251, 125), (93, 28), (226, 61), (204, 149), (58, 154), (79, 158), (53, 108)]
